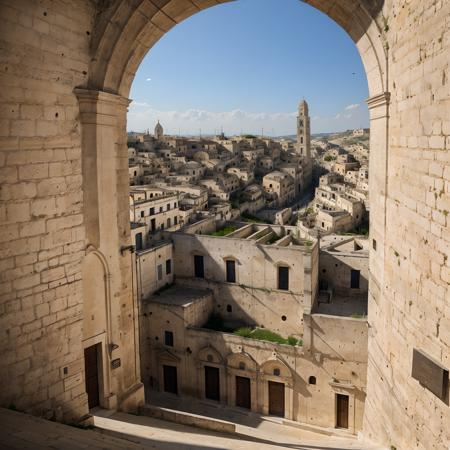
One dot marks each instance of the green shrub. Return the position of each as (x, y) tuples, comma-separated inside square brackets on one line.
[(243, 332), (224, 231)]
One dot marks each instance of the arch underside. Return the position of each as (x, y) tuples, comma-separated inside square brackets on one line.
[(126, 31)]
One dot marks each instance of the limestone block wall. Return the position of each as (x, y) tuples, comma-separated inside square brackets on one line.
[(49, 48), (44, 54), (409, 293)]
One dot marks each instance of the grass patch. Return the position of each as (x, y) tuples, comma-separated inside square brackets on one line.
[(224, 231), (251, 218), (261, 334)]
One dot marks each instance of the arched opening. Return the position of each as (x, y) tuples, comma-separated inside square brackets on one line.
[(118, 54)]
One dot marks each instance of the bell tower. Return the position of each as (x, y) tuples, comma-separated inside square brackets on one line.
[(303, 131)]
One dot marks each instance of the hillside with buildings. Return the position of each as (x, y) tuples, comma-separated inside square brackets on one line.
[(237, 260)]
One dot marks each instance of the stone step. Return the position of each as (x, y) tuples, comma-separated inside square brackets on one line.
[(23, 431)]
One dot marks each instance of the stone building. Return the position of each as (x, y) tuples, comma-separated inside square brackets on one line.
[(280, 186), (256, 276), (65, 250)]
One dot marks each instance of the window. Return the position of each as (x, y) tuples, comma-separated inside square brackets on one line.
[(229, 308), (169, 223), (312, 380), (199, 270), (152, 211), (354, 279), (168, 338), (160, 209), (231, 271), (142, 213), (168, 206), (160, 273), (276, 372), (283, 278), (135, 173), (168, 266), (138, 241), (175, 205), (175, 220)]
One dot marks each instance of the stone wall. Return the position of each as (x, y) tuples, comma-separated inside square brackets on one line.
[(44, 55), (49, 48), (410, 271)]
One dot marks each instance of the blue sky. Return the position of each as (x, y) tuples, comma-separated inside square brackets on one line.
[(245, 65)]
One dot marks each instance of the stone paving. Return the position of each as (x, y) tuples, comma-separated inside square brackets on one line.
[(125, 431)]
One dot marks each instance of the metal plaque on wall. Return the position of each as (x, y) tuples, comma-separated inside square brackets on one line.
[(430, 374)]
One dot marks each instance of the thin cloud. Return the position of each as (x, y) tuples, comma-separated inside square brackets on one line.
[(143, 116), (148, 79), (352, 106)]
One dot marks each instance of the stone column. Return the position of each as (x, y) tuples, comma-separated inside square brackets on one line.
[(106, 212)]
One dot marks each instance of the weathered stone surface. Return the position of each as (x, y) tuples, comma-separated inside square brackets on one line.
[(49, 49)]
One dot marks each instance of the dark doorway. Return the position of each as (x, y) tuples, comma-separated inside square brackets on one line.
[(199, 270), (354, 279), (276, 398), (212, 383), (153, 225), (283, 278), (341, 411), (139, 241), (243, 396), (231, 271), (91, 371), (170, 379)]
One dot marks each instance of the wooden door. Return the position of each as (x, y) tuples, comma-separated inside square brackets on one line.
[(243, 395), (341, 411), (212, 383), (91, 372), (170, 379), (276, 398)]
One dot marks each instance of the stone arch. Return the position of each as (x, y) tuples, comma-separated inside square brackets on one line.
[(210, 355), (126, 31), (268, 367), (96, 295), (234, 360)]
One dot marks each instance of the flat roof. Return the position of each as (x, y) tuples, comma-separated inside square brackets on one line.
[(178, 296)]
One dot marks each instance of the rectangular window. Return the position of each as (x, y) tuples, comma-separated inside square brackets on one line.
[(142, 213), (139, 241), (283, 278), (160, 209), (175, 205), (168, 266), (160, 273), (168, 206), (175, 220), (152, 211), (199, 270), (354, 279), (168, 338), (231, 271)]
